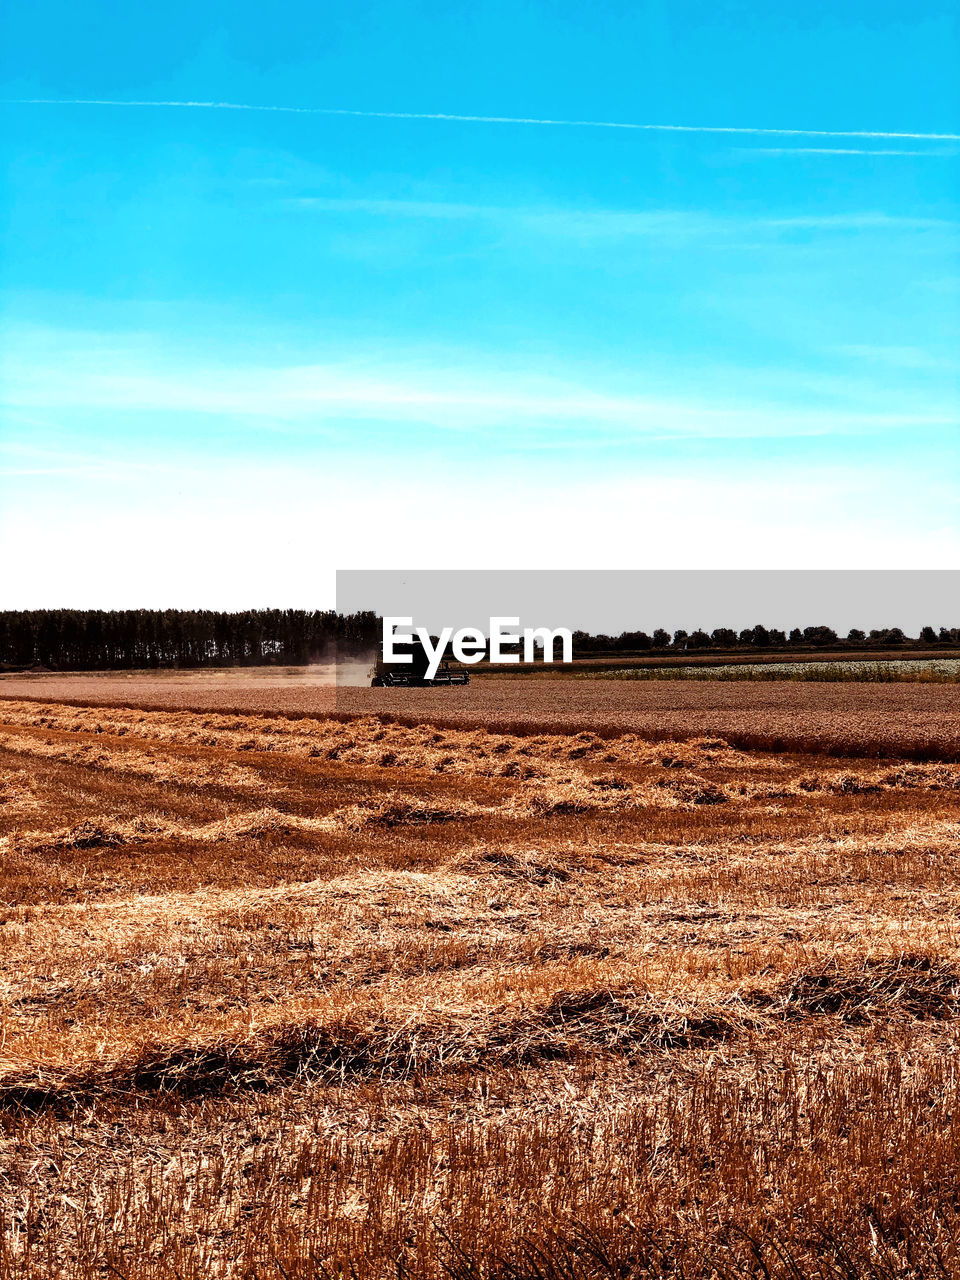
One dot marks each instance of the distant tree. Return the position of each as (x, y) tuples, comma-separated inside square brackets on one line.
[(633, 641), (661, 638), (698, 640), (680, 639), (819, 635), (887, 635), (777, 637), (724, 637), (928, 635), (796, 636), (856, 636), (758, 636), (583, 644)]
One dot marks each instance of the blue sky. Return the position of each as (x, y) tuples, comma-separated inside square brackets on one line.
[(244, 347)]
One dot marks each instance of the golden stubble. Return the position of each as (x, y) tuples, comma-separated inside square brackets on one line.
[(284, 995)]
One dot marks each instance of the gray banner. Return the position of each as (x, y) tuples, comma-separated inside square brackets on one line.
[(612, 600)]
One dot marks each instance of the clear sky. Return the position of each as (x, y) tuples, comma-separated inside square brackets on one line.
[(242, 348)]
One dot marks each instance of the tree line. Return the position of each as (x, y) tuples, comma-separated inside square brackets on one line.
[(759, 637), (118, 639)]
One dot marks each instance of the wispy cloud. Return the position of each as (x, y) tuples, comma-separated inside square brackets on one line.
[(399, 208), (546, 411), (587, 223), (900, 357), (544, 220), (25, 458), (860, 221), (843, 151), (752, 130)]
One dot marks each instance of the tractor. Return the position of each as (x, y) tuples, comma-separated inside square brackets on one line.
[(413, 674)]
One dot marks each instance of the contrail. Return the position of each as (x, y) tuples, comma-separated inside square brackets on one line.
[(838, 151), (754, 130)]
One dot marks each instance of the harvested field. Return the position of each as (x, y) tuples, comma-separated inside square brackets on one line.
[(323, 997), (900, 720)]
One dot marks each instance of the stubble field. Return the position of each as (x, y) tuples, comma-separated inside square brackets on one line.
[(888, 719), (368, 996)]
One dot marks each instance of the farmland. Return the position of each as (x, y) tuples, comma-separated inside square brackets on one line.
[(891, 719), (605, 981), (921, 670)]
